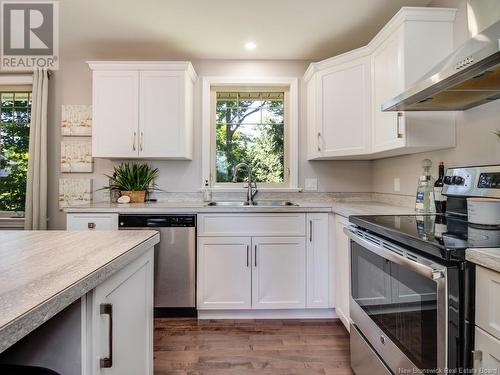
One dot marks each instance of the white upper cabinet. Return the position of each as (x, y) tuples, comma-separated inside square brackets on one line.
[(339, 109), (404, 51), (143, 110), (115, 101), (345, 93)]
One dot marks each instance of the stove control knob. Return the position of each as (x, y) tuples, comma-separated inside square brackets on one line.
[(447, 180), (457, 180)]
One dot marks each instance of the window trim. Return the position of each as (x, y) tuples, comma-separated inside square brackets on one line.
[(291, 83)]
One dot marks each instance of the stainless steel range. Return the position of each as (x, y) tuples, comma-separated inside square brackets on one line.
[(411, 288)]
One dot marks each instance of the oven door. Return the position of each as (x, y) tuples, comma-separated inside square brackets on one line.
[(398, 302)]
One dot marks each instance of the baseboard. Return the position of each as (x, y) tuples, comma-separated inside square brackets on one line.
[(268, 314)]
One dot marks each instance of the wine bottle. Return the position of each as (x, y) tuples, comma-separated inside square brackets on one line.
[(438, 191)]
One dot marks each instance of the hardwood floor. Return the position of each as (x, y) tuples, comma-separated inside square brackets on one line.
[(237, 347)]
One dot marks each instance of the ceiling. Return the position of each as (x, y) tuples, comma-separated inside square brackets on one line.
[(219, 29)]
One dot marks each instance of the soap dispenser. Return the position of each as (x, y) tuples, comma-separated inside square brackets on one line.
[(424, 202)]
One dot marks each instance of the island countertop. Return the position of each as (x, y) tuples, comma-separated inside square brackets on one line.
[(43, 272)]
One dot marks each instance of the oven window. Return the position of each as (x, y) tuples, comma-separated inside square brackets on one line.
[(402, 303)]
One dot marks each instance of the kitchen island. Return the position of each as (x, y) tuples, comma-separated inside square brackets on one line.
[(42, 273)]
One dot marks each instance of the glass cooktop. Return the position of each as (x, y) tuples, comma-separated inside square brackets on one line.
[(440, 235)]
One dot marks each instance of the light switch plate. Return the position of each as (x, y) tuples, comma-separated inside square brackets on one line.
[(311, 184)]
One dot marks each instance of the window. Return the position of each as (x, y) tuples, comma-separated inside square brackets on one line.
[(251, 127), (15, 113)]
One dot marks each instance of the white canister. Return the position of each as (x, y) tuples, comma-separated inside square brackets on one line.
[(483, 211)]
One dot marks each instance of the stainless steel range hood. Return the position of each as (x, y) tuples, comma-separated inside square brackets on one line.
[(467, 78)]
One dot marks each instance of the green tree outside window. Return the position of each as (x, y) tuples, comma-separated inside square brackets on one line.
[(15, 110), (250, 127)]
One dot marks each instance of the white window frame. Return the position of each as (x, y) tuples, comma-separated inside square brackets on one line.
[(208, 130)]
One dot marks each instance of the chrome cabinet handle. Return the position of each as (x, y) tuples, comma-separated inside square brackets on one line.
[(398, 125), (310, 231), (91, 225), (255, 256), (248, 253), (133, 142), (107, 309), (319, 141), (141, 142)]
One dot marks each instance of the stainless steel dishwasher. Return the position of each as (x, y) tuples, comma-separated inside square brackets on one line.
[(175, 261)]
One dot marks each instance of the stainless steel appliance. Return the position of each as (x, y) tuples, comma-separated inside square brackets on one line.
[(175, 261), (469, 77), (412, 290)]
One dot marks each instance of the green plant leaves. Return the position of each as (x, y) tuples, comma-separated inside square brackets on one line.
[(133, 177)]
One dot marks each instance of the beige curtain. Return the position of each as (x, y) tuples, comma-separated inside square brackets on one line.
[(36, 189)]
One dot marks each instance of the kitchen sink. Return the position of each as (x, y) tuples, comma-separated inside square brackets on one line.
[(228, 203), (256, 203), (274, 203)]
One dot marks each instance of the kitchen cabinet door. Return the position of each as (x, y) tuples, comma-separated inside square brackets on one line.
[(279, 273), (122, 321), (388, 81), (165, 123), (343, 109), (486, 352), (342, 271), (224, 273), (115, 114), (317, 273)]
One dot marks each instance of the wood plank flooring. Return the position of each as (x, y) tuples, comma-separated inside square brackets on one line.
[(241, 347)]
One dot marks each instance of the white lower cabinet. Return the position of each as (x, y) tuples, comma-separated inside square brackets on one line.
[(224, 273), (487, 331), (486, 352), (342, 271), (275, 267), (92, 221), (279, 273), (318, 264), (120, 321)]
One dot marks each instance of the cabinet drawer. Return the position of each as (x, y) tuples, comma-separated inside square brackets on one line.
[(92, 222), (487, 349), (487, 301), (265, 224)]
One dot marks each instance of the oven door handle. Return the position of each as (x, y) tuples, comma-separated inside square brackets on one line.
[(421, 269)]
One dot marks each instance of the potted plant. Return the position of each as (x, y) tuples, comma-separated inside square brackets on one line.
[(133, 180)]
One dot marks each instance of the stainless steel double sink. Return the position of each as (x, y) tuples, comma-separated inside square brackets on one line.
[(255, 204)]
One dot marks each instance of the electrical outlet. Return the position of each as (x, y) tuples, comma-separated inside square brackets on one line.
[(311, 184), (397, 184)]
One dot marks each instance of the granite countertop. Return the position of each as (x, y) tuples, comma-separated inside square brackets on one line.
[(344, 208), (43, 272), (486, 257)]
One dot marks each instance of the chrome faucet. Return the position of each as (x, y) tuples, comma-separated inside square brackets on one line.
[(252, 186)]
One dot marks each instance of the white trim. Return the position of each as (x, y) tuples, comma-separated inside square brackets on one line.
[(16, 79), (145, 65), (268, 314), (291, 82)]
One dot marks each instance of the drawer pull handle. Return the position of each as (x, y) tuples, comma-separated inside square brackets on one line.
[(107, 309), (310, 231), (91, 225)]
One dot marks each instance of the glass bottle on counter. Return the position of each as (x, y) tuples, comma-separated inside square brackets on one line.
[(439, 198), (207, 192), (424, 201)]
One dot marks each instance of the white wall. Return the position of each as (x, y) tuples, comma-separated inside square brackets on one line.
[(72, 85), (476, 143)]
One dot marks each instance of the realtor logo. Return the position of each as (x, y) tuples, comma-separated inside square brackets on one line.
[(30, 35)]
